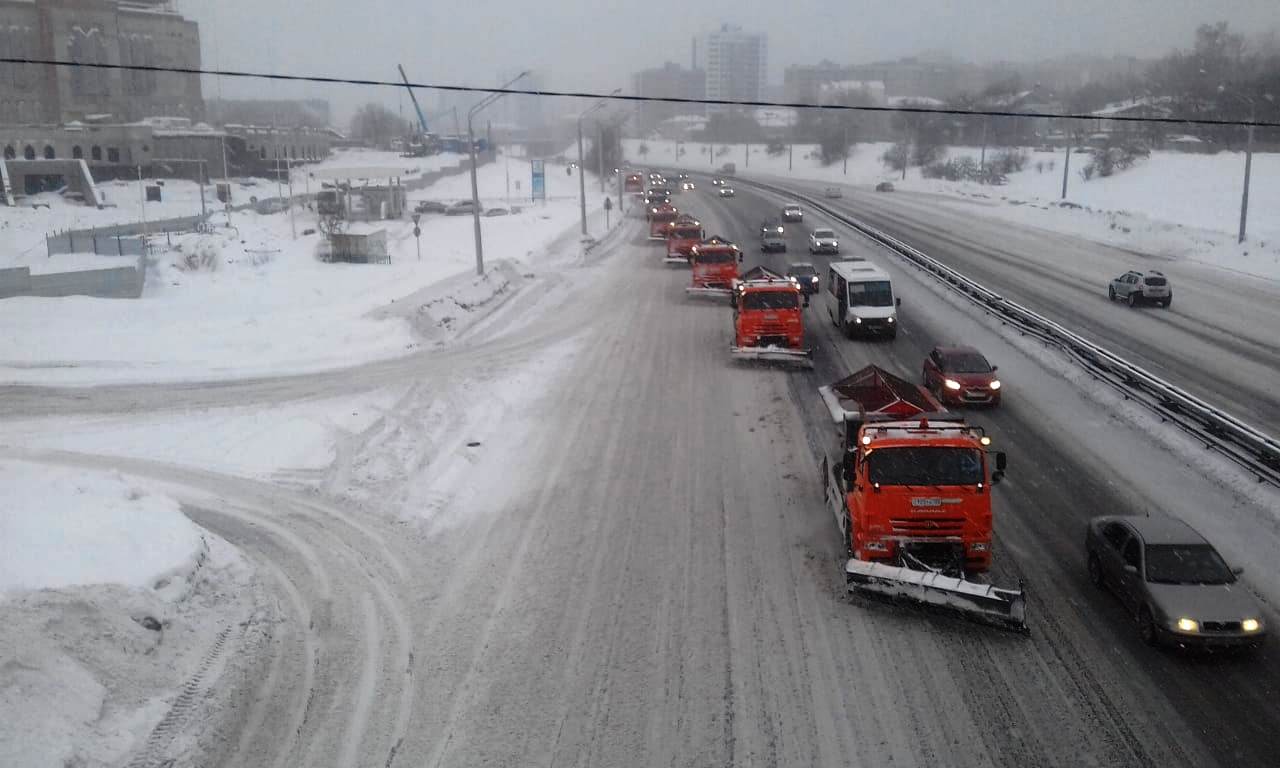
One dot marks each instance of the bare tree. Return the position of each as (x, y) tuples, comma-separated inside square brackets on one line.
[(377, 125)]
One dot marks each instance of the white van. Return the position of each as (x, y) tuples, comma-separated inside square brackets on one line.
[(860, 299)]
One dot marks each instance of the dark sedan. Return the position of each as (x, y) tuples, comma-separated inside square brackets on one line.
[(1172, 582)]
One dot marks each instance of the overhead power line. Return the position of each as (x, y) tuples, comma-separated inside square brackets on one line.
[(906, 109)]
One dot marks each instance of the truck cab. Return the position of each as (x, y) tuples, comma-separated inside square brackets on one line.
[(660, 215), (634, 184), (860, 299), (682, 234), (715, 267), (768, 322), (908, 483)]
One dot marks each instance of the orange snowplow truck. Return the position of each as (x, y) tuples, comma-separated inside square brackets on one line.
[(634, 184), (682, 234), (660, 215), (910, 487), (768, 321), (715, 267)]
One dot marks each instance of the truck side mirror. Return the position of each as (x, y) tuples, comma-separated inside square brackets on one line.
[(733, 300), (740, 256), (897, 302), (1130, 569), (1237, 570), (1002, 461), (995, 368), (806, 299)]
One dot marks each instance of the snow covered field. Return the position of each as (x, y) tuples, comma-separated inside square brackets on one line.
[(252, 301), (1172, 204)]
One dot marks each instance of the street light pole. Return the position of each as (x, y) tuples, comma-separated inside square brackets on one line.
[(1248, 168), (475, 187), (582, 181), (600, 154)]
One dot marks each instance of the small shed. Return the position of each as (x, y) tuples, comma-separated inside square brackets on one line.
[(359, 247)]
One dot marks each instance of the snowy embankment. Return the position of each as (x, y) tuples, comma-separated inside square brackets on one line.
[(110, 596), (253, 301), (1173, 204)]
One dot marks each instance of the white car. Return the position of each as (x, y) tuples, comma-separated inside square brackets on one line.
[(726, 191), (823, 241)]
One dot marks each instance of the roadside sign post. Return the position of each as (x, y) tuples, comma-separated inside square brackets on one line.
[(417, 234), (538, 184), (608, 206)]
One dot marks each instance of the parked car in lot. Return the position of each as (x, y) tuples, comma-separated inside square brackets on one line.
[(430, 206), (463, 208), (792, 212), (832, 192), (497, 212), (823, 241), (772, 236), (1138, 288), (806, 274), (884, 186), (727, 191), (961, 376), (1173, 582)]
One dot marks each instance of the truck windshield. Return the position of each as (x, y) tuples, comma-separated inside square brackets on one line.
[(1186, 564), (925, 466), (875, 293), (686, 234), (770, 300), (715, 257)]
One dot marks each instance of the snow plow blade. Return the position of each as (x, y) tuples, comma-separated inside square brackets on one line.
[(1003, 608), (801, 357), (676, 260), (711, 293)]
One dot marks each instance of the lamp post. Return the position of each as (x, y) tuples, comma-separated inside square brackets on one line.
[(471, 147), (1248, 153), (582, 181)]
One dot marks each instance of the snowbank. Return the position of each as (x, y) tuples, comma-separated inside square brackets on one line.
[(1172, 204), (62, 528), (253, 301)]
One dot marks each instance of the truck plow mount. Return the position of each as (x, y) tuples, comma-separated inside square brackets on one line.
[(801, 357), (1003, 608)]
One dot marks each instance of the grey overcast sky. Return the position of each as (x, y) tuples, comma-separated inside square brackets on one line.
[(597, 45)]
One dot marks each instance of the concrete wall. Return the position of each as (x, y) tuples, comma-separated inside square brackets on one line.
[(114, 283)]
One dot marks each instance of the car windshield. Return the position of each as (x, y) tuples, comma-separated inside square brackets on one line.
[(873, 293), (966, 362), (1186, 564), (802, 270), (925, 466), (824, 234), (752, 300)]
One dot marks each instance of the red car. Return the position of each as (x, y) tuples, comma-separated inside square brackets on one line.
[(961, 376)]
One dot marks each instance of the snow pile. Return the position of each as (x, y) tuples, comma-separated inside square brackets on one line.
[(1172, 204), (62, 528)]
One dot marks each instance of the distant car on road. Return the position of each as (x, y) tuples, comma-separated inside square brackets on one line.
[(884, 186), (1172, 582), (463, 208), (823, 241), (717, 182), (1136, 287), (792, 212), (961, 376), (687, 185), (727, 192), (771, 236), (497, 212), (430, 206), (832, 192), (806, 274)]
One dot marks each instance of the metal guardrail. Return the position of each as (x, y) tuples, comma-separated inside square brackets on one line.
[(1244, 444)]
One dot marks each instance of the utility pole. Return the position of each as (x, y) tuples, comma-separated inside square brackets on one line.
[(1066, 165), (790, 149), (1248, 168), (982, 159), (582, 181), (475, 187), (845, 146), (600, 154), (746, 156)]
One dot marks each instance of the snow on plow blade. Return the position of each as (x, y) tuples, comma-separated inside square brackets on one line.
[(802, 357), (676, 259), (712, 293), (1004, 608)]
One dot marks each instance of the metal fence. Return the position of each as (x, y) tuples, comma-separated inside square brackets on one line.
[(93, 242), (113, 283)]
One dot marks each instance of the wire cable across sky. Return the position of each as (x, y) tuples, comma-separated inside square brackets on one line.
[(905, 109)]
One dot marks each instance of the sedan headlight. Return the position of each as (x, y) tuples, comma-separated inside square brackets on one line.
[(1188, 625), (1251, 625), (952, 384), (780, 230), (995, 384), (857, 320), (835, 243), (891, 320)]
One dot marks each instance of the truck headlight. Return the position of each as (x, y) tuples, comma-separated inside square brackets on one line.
[(891, 320), (952, 384), (877, 546), (835, 243), (780, 230), (995, 384), (1251, 625), (1188, 625), (857, 320)]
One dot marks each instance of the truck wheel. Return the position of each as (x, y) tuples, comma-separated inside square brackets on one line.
[(1165, 304), (1095, 572)]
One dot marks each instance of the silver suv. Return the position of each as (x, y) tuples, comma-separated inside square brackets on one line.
[(1138, 287)]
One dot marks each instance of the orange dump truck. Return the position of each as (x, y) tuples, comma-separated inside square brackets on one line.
[(660, 215), (715, 268), (682, 234), (768, 319), (910, 487), (633, 184)]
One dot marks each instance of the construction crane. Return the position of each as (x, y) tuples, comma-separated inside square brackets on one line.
[(422, 119), (427, 143)]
